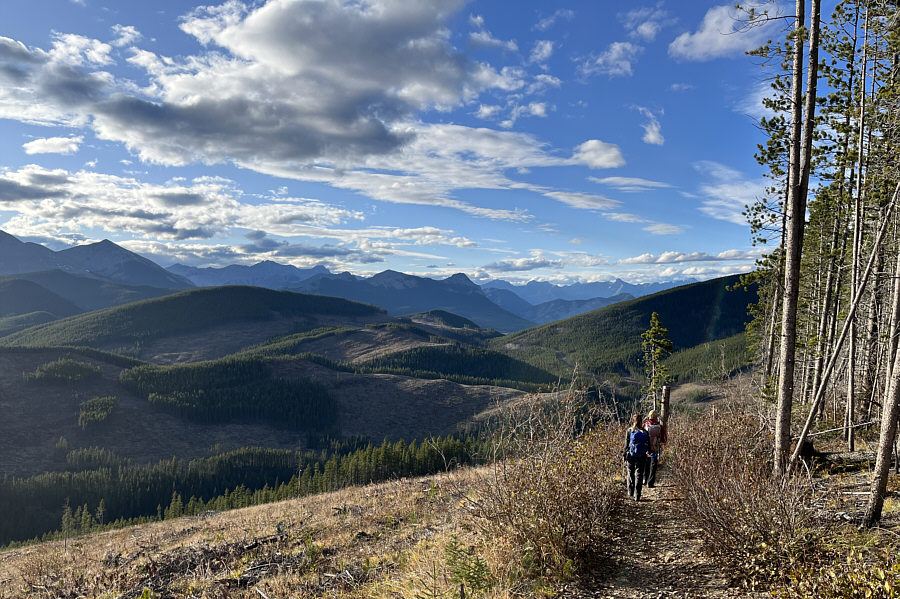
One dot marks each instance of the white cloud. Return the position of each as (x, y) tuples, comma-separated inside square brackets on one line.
[(125, 35), (723, 32), (599, 154), (652, 129), (616, 60), (53, 145), (630, 183), (663, 229), (484, 38), (584, 201), (315, 91), (624, 217), (77, 50), (542, 82), (548, 22), (645, 23), (727, 192), (486, 111), (680, 87), (675, 257), (542, 51), (535, 262)]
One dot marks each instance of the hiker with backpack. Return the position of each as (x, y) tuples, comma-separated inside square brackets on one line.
[(637, 444), (657, 433)]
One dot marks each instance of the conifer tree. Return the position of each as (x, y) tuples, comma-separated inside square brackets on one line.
[(656, 345)]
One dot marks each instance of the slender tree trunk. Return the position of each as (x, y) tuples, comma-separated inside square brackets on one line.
[(799, 178), (778, 278), (890, 411), (858, 223), (853, 307), (826, 309)]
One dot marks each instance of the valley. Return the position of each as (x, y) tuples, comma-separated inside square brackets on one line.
[(200, 373)]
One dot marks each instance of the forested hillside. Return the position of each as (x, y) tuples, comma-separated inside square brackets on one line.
[(127, 328), (20, 296), (609, 339)]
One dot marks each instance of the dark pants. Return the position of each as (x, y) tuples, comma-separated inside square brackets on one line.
[(650, 469), (635, 467)]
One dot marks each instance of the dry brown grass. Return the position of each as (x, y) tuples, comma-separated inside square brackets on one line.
[(384, 540)]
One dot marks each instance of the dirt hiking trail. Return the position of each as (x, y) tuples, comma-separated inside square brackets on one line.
[(659, 556)]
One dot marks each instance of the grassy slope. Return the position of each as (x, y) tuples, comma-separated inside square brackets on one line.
[(360, 542), (609, 339), (192, 310)]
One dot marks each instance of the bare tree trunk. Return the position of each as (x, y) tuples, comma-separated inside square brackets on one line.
[(799, 179), (871, 346), (889, 412), (778, 277), (826, 312), (853, 307), (858, 223)]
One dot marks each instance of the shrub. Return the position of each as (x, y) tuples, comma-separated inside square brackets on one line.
[(555, 495), (95, 410), (64, 370), (757, 526), (856, 576)]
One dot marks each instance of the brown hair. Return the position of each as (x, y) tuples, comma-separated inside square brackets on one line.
[(636, 421)]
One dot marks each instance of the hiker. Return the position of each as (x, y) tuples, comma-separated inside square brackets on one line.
[(657, 433), (637, 444)]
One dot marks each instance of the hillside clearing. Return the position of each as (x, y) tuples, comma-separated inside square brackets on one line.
[(384, 540)]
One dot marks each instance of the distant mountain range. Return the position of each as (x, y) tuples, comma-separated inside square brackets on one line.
[(400, 293), (101, 260), (263, 274), (551, 310), (103, 274), (538, 292)]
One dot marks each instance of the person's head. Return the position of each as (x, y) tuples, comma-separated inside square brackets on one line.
[(636, 421), (652, 415)]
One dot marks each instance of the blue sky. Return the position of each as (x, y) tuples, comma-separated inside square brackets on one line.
[(575, 141)]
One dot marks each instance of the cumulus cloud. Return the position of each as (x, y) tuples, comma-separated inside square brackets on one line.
[(53, 145), (541, 52), (630, 183), (125, 35), (562, 14), (675, 257), (616, 61), (652, 129), (723, 32), (645, 23), (599, 154), (326, 92), (199, 209), (535, 262), (483, 37)]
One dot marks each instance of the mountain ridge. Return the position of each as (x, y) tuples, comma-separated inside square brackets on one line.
[(103, 260)]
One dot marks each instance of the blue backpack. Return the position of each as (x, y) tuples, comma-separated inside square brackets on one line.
[(639, 444)]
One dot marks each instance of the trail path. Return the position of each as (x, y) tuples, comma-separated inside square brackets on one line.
[(660, 558)]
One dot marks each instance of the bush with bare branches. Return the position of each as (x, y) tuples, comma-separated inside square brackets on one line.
[(556, 488), (758, 526)]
